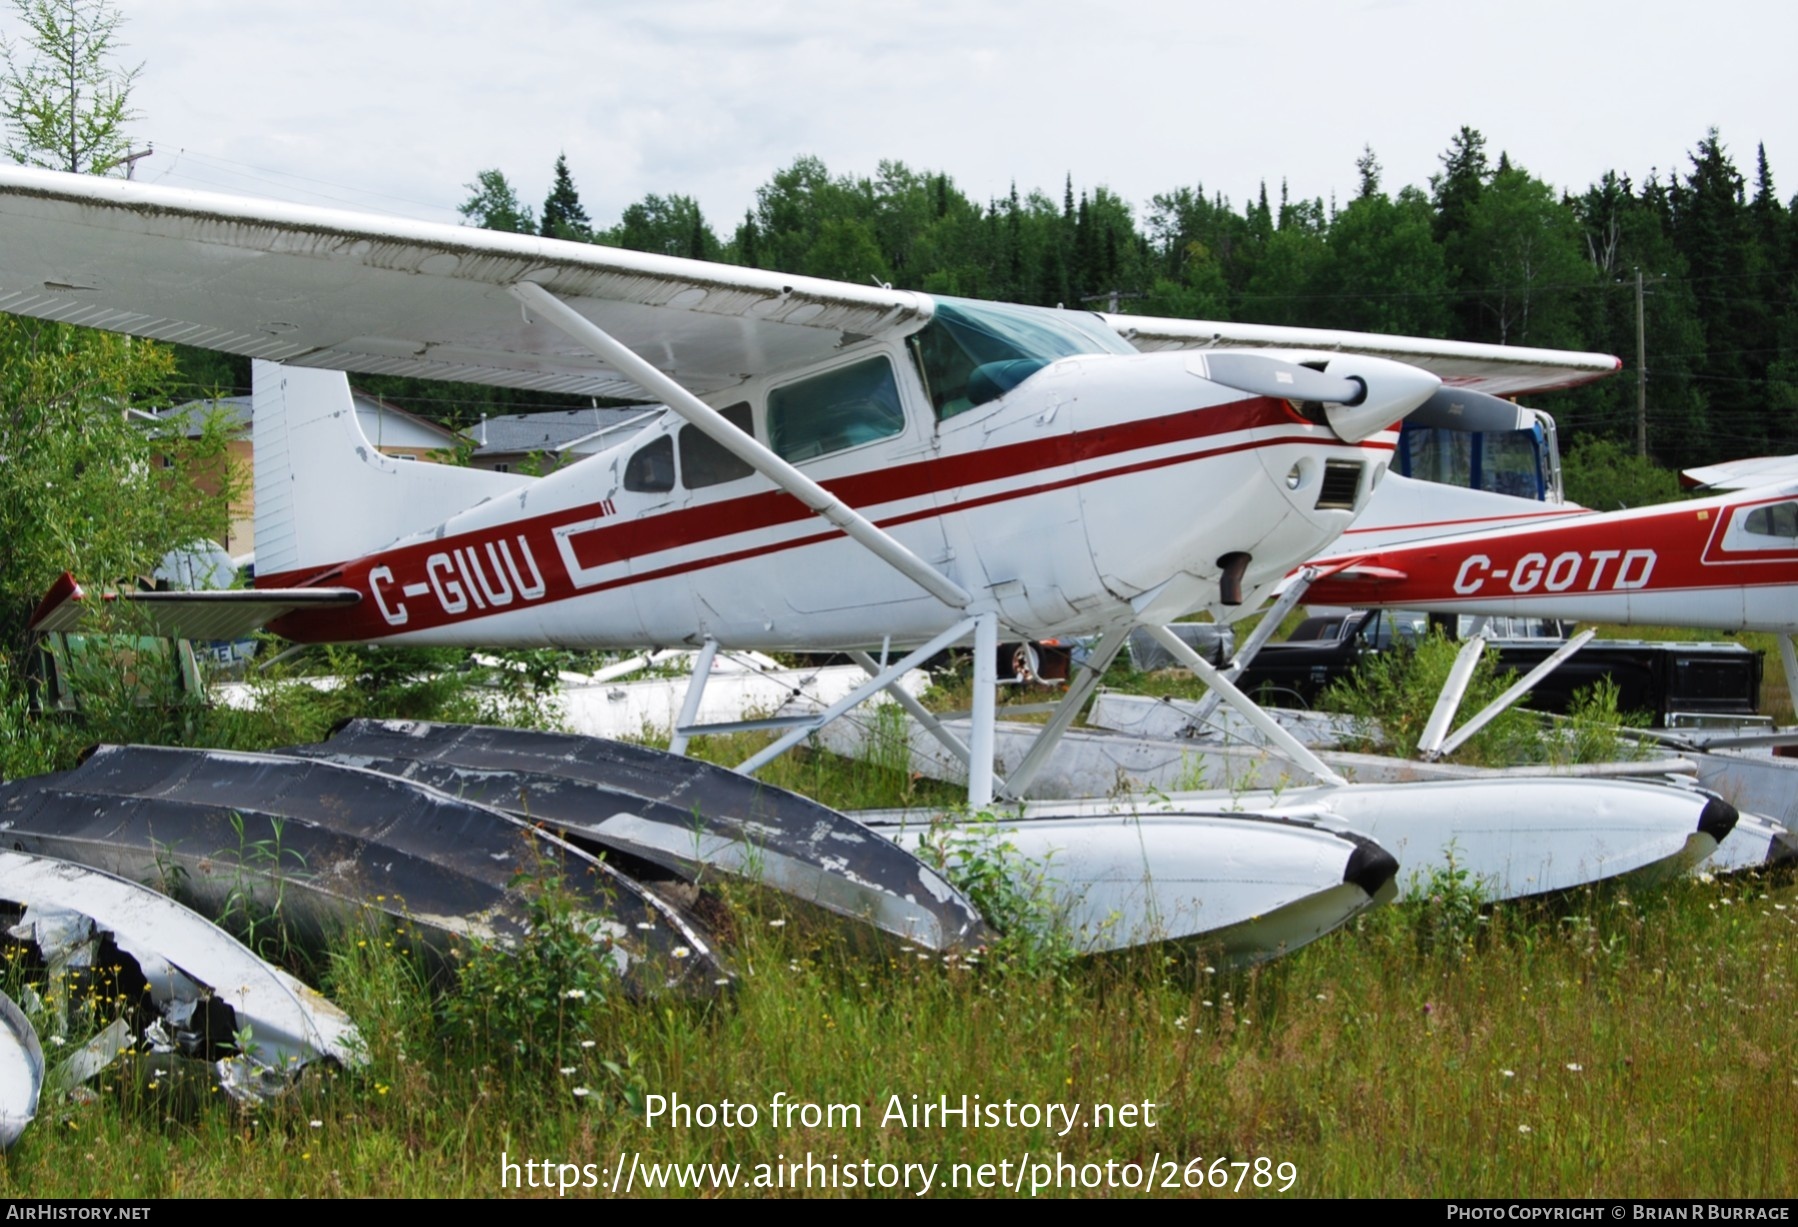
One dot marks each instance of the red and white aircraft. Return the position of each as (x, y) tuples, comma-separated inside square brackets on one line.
[(1729, 562), (844, 466)]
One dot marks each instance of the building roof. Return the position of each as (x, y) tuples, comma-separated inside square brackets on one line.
[(191, 417), (236, 412), (548, 432)]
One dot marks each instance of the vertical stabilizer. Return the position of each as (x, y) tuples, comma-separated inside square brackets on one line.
[(324, 495), (1407, 510)]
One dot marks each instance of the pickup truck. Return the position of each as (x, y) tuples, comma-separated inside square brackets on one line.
[(1674, 682)]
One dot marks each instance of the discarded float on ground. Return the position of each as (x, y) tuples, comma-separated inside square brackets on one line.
[(658, 815), (326, 847)]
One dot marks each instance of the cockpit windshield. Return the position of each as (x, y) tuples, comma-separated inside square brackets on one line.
[(974, 352)]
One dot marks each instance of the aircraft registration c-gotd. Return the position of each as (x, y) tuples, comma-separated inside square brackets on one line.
[(1725, 563), (842, 466)]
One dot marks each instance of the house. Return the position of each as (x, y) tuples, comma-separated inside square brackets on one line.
[(393, 431)]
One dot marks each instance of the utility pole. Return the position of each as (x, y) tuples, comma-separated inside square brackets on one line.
[(130, 160), (1641, 374)]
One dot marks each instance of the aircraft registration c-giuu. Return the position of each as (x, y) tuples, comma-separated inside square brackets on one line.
[(843, 467)]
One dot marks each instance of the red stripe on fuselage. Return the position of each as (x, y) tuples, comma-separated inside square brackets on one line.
[(620, 541), (1676, 550)]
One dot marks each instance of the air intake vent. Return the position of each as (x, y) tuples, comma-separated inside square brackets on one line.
[(1342, 481)]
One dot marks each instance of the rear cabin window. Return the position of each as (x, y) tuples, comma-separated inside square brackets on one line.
[(839, 409), (651, 470), (704, 462), (1779, 520)]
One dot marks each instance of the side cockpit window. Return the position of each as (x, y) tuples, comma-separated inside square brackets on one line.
[(1763, 530), (704, 462), (839, 409), (651, 470), (972, 353)]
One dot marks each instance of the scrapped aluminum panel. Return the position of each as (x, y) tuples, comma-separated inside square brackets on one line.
[(679, 815), (183, 956), (329, 846), (21, 1071), (90, 1059)]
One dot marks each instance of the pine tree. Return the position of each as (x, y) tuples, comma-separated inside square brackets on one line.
[(563, 216), (1713, 230), (749, 244), (1456, 194), (1368, 167)]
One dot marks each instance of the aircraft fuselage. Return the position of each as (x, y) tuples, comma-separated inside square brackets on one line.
[(1728, 563), (1102, 487)]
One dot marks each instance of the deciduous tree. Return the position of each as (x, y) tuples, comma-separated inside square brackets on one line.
[(66, 100), (493, 205)]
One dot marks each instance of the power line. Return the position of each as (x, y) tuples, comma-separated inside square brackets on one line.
[(286, 180)]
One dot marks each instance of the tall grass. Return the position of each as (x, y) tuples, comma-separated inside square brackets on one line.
[(1617, 1045)]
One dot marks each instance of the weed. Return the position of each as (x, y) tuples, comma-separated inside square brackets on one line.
[(1395, 692), (1592, 732), (1016, 894), (1450, 906), (1192, 773), (262, 920), (536, 1002)]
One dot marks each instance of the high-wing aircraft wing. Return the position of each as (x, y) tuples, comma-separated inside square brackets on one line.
[(1497, 370), (358, 292), (1741, 474)]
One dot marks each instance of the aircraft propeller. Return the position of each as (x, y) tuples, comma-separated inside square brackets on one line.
[(1355, 406), (1465, 409), (1262, 375)]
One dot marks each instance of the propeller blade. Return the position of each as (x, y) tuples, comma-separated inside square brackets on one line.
[(1464, 409), (1262, 375)]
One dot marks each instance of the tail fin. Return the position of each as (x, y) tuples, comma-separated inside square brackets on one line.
[(1409, 510), (324, 495)]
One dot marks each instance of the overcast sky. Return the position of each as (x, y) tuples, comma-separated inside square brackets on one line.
[(389, 105)]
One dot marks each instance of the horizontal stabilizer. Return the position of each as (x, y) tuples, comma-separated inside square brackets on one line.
[(183, 615)]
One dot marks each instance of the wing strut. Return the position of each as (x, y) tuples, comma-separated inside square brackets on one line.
[(744, 447)]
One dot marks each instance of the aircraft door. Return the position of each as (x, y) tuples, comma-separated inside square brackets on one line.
[(854, 429)]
